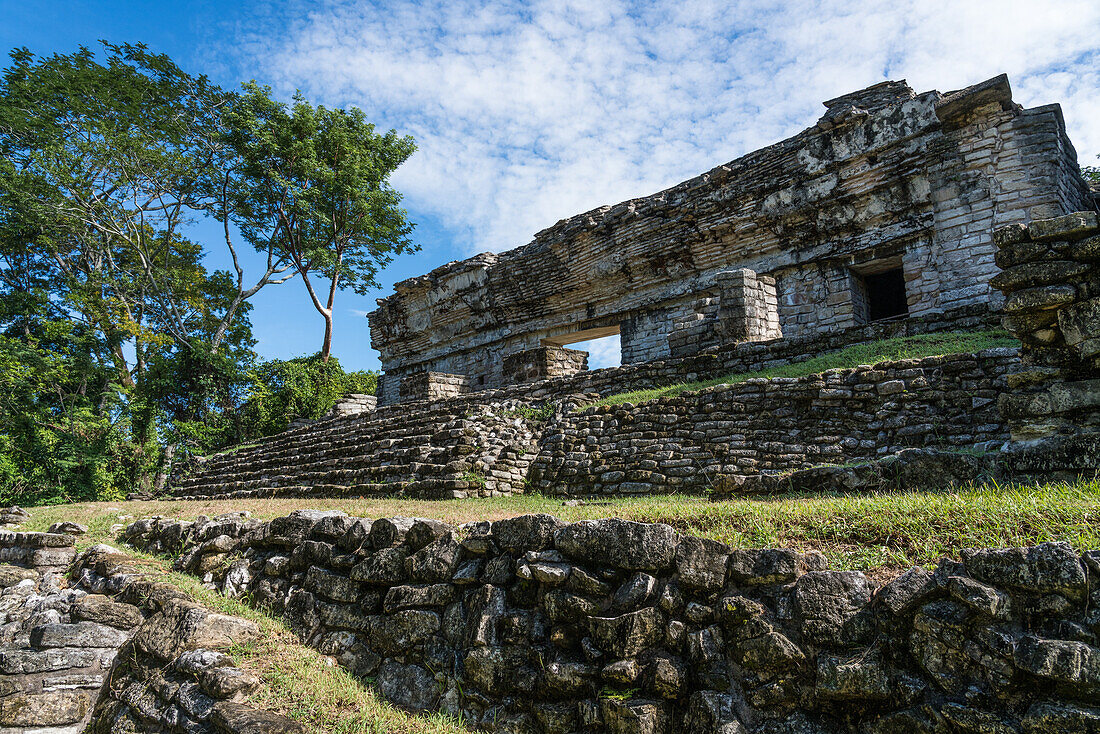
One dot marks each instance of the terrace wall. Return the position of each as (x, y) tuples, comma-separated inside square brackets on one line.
[(1051, 278), (464, 446), (702, 440)]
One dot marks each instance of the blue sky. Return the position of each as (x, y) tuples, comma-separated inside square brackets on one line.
[(528, 112)]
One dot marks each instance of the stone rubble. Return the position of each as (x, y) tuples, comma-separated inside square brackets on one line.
[(13, 515), (113, 652)]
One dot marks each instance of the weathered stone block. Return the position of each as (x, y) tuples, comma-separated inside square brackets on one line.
[(622, 543), (1045, 568), (701, 563), (628, 634), (1069, 225), (44, 709), (829, 602)]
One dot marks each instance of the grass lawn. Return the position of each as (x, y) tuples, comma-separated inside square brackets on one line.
[(884, 533), (903, 347)]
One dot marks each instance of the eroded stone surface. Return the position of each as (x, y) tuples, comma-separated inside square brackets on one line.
[(558, 630), (782, 241)]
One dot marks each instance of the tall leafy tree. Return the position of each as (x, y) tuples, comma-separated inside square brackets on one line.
[(114, 335), (319, 179), (107, 162)]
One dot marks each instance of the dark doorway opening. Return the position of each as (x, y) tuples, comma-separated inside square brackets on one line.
[(885, 295)]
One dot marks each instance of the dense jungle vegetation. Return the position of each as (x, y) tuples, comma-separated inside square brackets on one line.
[(120, 346)]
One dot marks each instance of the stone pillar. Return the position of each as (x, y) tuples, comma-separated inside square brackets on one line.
[(1051, 280), (541, 363), (749, 309), (432, 386), (697, 332)]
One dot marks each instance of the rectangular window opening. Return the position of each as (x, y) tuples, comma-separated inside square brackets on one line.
[(885, 294), (602, 344)]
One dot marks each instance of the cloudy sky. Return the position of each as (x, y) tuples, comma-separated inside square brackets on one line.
[(529, 112)]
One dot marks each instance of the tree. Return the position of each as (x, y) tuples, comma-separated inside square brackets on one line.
[(104, 163), (1091, 174), (116, 341), (283, 390), (319, 179)]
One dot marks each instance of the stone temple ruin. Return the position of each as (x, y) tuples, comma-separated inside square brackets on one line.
[(897, 214), (883, 209)]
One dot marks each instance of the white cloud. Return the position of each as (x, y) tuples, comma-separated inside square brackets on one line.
[(526, 113), (603, 352)]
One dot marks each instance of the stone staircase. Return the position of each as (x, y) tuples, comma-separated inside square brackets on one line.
[(434, 451)]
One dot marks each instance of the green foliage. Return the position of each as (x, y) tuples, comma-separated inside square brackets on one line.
[(613, 694), (475, 477), (319, 180), (117, 340), (61, 437), (539, 414), (282, 390), (1091, 174)]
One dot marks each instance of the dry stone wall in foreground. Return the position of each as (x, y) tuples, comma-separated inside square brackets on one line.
[(534, 625)]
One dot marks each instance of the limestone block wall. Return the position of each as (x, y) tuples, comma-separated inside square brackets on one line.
[(674, 329), (172, 673), (887, 175), (482, 443), (432, 386), (1051, 280), (698, 441), (543, 363), (744, 310), (748, 309), (533, 625), (54, 654)]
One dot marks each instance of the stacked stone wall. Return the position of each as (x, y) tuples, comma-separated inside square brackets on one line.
[(1051, 279), (534, 626), (112, 652), (542, 363), (700, 441)]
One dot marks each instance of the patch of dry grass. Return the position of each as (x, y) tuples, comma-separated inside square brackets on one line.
[(856, 530)]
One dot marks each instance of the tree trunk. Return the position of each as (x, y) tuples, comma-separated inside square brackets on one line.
[(165, 468), (326, 347)]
